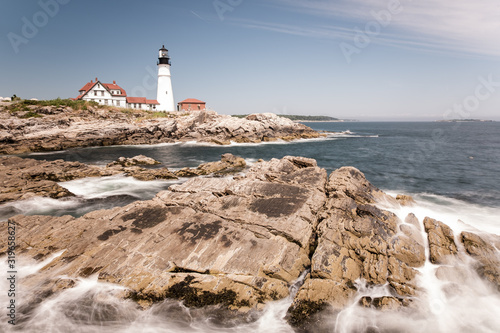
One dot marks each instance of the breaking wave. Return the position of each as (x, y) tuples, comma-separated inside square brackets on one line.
[(90, 194)]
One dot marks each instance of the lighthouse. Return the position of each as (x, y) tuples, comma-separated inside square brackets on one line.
[(164, 93)]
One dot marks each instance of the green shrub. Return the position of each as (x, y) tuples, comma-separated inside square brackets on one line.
[(58, 102), (31, 114)]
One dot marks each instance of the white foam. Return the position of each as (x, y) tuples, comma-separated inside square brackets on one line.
[(49, 152), (30, 267), (37, 205), (459, 301), (459, 215), (101, 187), (349, 134), (86, 189), (94, 306)]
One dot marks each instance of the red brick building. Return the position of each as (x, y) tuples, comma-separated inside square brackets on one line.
[(191, 104)]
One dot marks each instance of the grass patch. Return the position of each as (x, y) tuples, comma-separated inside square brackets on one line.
[(58, 102), (158, 114), (31, 114)]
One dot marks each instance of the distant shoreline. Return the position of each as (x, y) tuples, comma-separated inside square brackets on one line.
[(320, 121), (465, 121)]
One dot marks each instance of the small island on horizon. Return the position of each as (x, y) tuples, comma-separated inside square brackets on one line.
[(464, 120)]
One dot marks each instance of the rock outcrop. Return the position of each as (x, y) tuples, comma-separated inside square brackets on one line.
[(483, 250), (58, 128), (357, 240), (240, 241), (24, 178), (227, 165), (441, 241), (133, 161)]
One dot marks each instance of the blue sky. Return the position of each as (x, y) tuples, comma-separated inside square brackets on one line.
[(356, 59)]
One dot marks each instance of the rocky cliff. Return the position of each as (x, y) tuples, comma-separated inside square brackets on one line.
[(240, 241), (36, 128)]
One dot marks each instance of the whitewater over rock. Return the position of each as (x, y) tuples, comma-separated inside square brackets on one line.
[(24, 178), (240, 241)]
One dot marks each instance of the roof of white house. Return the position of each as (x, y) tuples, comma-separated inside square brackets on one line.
[(111, 88)]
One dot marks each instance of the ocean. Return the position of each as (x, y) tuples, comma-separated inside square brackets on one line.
[(450, 168)]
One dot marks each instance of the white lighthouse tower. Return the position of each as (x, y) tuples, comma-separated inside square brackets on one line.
[(164, 93)]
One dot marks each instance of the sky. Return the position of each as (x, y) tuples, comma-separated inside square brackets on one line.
[(373, 60)]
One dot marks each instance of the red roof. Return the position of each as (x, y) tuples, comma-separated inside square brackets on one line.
[(88, 86), (114, 86), (141, 100), (192, 101)]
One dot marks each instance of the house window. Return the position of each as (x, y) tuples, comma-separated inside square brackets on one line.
[(117, 103), (199, 107), (95, 93)]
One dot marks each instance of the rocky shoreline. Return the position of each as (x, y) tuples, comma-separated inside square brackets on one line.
[(34, 128), (239, 241), (23, 178)]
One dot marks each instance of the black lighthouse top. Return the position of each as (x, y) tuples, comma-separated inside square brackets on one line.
[(163, 57)]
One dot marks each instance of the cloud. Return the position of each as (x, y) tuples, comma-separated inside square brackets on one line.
[(464, 26)]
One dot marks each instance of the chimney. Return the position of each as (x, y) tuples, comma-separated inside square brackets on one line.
[(95, 79), (114, 82), (91, 81)]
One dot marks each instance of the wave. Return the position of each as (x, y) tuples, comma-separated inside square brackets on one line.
[(349, 134), (49, 152), (458, 214), (100, 187)]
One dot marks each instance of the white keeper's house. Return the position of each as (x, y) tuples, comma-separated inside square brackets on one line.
[(114, 95)]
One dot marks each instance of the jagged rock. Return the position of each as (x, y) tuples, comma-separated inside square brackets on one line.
[(148, 174), (413, 220), (405, 200), (441, 241), (357, 240), (6, 137), (487, 256), (23, 178), (228, 164), (133, 161), (407, 250), (385, 303)]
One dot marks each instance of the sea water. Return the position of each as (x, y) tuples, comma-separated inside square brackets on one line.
[(451, 169)]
